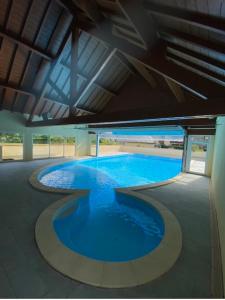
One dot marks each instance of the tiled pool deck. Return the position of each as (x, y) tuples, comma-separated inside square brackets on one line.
[(24, 273)]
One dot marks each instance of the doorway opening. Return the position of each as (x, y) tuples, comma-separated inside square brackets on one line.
[(198, 154)]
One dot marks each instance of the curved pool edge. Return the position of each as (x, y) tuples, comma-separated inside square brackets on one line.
[(108, 274), (34, 181)]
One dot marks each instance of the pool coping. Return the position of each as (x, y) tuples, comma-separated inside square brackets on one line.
[(108, 274), (99, 273)]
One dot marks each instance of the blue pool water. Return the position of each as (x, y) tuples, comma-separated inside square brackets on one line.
[(106, 225)]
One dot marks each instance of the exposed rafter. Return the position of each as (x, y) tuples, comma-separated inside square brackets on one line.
[(74, 61), (189, 63), (126, 63), (51, 68), (204, 108), (89, 112), (209, 22), (95, 77), (31, 93), (46, 116), (142, 23), (176, 90), (18, 41), (198, 85), (97, 84), (172, 36), (141, 69), (14, 88), (91, 10), (196, 68), (43, 107), (194, 55), (30, 55), (200, 122), (104, 33), (156, 60)]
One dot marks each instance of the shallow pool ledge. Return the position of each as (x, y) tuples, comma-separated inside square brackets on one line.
[(108, 274)]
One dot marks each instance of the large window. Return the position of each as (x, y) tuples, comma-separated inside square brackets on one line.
[(69, 147), (56, 146), (11, 146), (93, 144), (109, 146), (168, 146), (40, 146), (45, 146)]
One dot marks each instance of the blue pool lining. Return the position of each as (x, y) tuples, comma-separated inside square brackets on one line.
[(34, 179), (107, 274)]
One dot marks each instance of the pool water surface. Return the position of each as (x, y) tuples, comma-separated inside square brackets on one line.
[(106, 225)]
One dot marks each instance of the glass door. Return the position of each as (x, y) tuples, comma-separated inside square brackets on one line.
[(197, 154)]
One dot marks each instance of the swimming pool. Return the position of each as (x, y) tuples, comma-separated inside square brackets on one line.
[(107, 225), (111, 171)]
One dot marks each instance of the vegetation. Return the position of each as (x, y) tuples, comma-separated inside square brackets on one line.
[(40, 139), (70, 140), (44, 139), (198, 148), (104, 141), (11, 138), (56, 140)]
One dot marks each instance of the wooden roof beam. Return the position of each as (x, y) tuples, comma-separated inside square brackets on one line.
[(97, 84), (143, 24), (95, 77), (198, 19), (172, 36), (156, 61), (212, 107), (176, 90), (198, 69), (103, 32), (87, 111), (200, 122), (141, 69), (18, 41), (31, 93), (203, 59), (14, 88), (91, 9), (74, 62), (51, 68), (198, 85)]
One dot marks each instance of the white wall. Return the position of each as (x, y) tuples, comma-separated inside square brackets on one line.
[(218, 183), (14, 122)]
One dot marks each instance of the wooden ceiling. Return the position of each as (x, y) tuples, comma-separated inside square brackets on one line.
[(84, 61)]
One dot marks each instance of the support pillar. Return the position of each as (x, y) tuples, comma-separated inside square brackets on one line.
[(97, 145), (27, 146), (185, 150)]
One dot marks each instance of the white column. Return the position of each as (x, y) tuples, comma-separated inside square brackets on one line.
[(97, 145), (27, 146), (1, 152), (184, 156)]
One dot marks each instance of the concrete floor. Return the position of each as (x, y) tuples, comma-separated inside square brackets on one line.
[(24, 273)]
